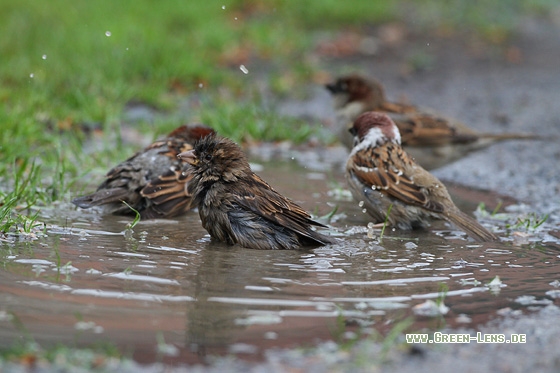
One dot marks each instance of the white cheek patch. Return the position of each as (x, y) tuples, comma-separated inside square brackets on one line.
[(374, 136), (396, 135)]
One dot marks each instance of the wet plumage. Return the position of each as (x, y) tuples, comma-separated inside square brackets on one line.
[(152, 181), (432, 139), (383, 175), (237, 207)]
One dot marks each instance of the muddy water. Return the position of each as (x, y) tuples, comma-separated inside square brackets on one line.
[(164, 291)]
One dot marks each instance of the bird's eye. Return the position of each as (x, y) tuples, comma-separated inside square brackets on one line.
[(208, 157)]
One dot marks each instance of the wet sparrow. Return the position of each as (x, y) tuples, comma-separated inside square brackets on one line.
[(431, 139), (383, 175), (237, 207), (151, 181)]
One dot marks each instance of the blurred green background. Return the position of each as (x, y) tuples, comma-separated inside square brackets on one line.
[(70, 69)]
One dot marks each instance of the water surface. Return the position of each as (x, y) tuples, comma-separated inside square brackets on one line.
[(164, 291)]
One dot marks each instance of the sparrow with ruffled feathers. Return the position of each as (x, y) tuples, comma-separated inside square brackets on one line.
[(152, 181), (432, 139), (236, 206), (383, 176)]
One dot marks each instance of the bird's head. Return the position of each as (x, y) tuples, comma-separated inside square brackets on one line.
[(374, 128), (216, 158), (192, 132), (355, 88)]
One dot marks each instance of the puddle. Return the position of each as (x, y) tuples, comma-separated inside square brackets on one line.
[(166, 290)]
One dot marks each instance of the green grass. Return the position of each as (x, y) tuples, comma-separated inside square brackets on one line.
[(99, 357), (62, 66), (529, 222), (250, 121), (385, 222), (74, 66)]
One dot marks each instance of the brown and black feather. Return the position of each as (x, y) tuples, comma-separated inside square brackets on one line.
[(236, 206), (153, 181)]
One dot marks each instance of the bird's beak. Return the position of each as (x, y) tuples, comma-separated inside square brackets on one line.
[(331, 87), (189, 157)]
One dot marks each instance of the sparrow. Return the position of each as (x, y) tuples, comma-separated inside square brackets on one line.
[(153, 181), (382, 175), (236, 206), (431, 139)]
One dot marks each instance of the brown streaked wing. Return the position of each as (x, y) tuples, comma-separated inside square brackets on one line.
[(264, 201), (397, 108), (168, 193), (387, 175), (175, 146), (422, 129)]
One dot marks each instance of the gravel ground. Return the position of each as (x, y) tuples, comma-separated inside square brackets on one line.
[(539, 354)]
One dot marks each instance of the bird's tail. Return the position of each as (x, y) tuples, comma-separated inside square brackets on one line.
[(101, 197), (512, 136), (471, 227)]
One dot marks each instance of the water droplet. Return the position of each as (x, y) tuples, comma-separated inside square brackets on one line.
[(361, 203), (44, 56), (370, 225), (244, 69), (223, 7), (200, 85), (107, 33), (364, 211), (235, 18), (127, 48), (270, 335), (31, 75)]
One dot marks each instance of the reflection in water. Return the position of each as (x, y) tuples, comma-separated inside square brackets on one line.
[(166, 284), (225, 272)]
